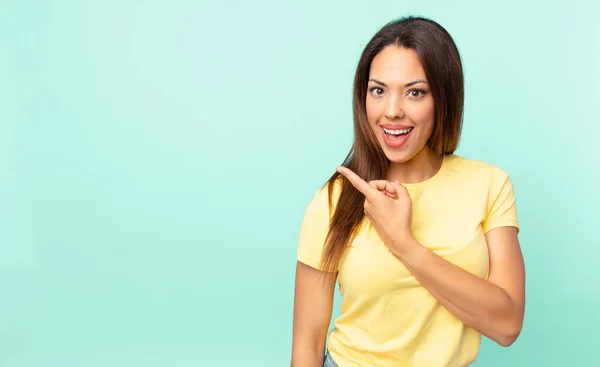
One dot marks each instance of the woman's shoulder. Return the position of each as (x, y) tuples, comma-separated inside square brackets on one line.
[(471, 167), (326, 196)]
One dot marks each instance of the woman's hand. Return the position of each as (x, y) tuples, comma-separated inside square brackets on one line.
[(388, 206)]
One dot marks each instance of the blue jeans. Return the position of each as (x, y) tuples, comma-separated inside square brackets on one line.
[(328, 361)]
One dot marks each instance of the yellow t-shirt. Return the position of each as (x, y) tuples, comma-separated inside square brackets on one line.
[(388, 319)]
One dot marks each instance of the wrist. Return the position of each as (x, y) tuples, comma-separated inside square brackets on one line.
[(408, 250)]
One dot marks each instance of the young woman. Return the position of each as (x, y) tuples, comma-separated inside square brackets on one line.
[(422, 242)]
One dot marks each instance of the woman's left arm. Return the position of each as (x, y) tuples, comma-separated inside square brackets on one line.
[(494, 307)]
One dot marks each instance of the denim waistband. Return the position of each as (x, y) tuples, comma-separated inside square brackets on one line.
[(328, 361)]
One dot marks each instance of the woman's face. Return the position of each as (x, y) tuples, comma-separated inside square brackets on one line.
[(399, 104)]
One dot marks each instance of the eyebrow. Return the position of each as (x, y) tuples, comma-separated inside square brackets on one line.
[(409, 84)]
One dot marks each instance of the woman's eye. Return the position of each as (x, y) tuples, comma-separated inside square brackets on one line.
[(376, 91), (416, 93)]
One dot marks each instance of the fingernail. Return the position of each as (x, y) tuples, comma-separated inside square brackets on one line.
[(397, 182)]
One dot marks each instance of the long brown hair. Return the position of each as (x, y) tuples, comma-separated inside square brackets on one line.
[(443, 68)]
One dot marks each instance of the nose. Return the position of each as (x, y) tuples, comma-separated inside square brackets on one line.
[(394, 109)]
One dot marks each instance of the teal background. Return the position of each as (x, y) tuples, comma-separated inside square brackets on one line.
[(156, 158)]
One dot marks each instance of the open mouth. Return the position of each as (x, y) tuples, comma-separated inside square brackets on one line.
[(397, 133), (396, 138)]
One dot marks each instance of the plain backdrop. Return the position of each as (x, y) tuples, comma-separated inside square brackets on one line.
[(156, 158)]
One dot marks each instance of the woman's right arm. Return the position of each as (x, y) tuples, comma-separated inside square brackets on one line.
[(313, 304)]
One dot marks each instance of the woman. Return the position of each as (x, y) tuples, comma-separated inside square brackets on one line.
[(423, 242)]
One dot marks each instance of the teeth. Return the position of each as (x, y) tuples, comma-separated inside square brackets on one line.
[(397, 132)]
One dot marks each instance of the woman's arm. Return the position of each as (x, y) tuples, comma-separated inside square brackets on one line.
[(313, 303), (494, 307)]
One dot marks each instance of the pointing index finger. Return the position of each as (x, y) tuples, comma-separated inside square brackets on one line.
[(360, 184)]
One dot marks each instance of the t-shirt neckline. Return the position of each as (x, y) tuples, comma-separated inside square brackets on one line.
[(430, 181)]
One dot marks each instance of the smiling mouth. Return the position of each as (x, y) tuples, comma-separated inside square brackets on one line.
[(397, 133)]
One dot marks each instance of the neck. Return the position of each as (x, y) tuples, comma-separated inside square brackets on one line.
[(420, 168)]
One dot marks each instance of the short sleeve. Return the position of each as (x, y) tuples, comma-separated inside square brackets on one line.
[(501, 203), (314, 228)]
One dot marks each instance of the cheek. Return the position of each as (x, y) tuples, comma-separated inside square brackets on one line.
[(370, 116), (373, 112), (423, 114)]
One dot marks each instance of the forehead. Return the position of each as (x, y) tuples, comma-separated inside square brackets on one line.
[(396, 64)]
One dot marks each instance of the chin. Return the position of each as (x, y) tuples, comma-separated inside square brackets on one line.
[(403, 153), (399, 157)]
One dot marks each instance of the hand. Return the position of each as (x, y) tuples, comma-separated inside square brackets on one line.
[(386, 187), (387, 205)]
